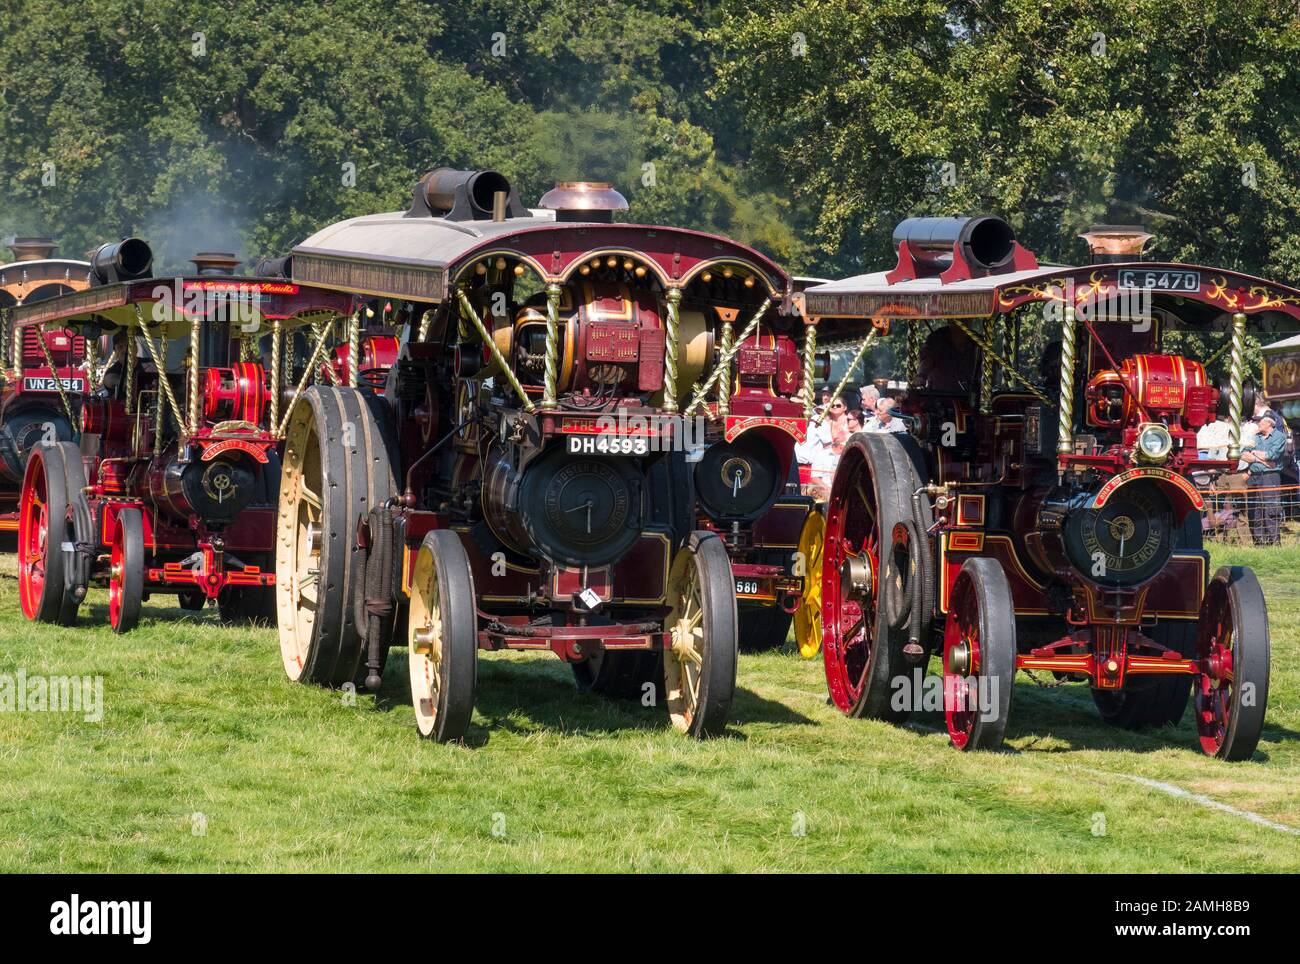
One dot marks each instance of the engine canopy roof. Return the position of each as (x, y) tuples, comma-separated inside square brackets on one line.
[(420, 258)]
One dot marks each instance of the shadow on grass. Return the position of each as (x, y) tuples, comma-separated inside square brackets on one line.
[(1064, 720), (524, 697), (159, 613)]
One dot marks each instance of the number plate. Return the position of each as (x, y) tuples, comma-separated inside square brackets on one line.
[(1160, 280), (41, 383), (608, 445), (752, 587)]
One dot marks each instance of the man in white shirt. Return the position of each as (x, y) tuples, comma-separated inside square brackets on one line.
[(884, 420)]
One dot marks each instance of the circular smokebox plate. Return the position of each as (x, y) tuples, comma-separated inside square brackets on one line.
[(581, 510)]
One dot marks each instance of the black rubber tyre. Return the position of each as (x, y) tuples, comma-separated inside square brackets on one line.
[(192, 601), (983, 617), (336, 466), (126, 581), (442, 638), (763, 628), (700, 668), (621, 674), (252, 605), (1234, 621), (44, 566)]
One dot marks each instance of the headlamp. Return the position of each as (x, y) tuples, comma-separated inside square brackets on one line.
[(1153, 443)]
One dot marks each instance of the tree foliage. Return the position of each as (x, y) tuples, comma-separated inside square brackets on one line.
[(805, 127), (1185, 117)]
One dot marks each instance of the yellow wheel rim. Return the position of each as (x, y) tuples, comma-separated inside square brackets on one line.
[(808, 617), (684, 662)]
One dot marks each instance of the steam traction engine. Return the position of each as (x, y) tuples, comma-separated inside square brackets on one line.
[(169, 485), (531, 478), (1041, 518), (31, 407)]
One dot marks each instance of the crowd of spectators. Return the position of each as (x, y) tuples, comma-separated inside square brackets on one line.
[(865, 411)]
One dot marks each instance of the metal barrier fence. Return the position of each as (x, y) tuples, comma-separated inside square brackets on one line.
[(1238, 515)]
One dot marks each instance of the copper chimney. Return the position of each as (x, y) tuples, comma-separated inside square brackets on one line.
[(592, 201), (33, 249), (1116, 243), (215, 262)]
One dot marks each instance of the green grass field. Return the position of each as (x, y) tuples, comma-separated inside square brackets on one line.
[(199, 720)]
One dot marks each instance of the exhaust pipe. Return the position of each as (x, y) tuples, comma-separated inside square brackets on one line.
[(123, 260), (985, 242), (464, 196), (281, 267)]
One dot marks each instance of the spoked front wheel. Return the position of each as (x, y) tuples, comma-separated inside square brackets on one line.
[(53, 478), (126, 572), (1232, 646), (443, 638), (808, 617), (700, 664), (979, 657)]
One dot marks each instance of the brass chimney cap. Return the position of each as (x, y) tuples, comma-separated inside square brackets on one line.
[(1116, 239), (583, 196), (33, 249), (215, 262)]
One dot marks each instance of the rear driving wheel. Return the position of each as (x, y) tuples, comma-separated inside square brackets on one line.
[(336, 467), (700, 664), (443, 638), (863, 654), (1232, 646), (126, 572)]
